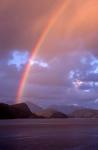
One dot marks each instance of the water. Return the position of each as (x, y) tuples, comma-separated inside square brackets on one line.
[(49, 134)]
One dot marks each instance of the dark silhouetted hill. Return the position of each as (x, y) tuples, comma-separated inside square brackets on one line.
[(15, 111), (5, 111), (22, 111)]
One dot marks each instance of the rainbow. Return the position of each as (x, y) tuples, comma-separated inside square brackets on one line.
[(55, 16)]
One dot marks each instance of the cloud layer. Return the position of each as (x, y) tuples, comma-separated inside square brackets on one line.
[(65, 69)]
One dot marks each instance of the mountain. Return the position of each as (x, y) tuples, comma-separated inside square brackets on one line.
[(66, 109), (33, 107), (15, 111), (84, 113), (10, 102), (51, 113), (22, 111), (5, 111)]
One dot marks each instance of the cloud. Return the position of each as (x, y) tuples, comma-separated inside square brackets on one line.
[(66, 65), (54, 84), (19, 58), (77, 28), (18, 20), (22, 23)]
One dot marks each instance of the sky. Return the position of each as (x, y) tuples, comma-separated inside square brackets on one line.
[(65, 69)]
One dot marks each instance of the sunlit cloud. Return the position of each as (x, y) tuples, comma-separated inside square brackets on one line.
[(18, 58), (40, 63), (84, 73), (77, 83)]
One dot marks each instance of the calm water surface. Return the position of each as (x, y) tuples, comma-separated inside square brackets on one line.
[(49, 134)]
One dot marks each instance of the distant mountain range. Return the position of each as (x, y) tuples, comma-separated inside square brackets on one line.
[(84, 113), (22, 111), (51, 113), (66, 109), (30, 110)]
